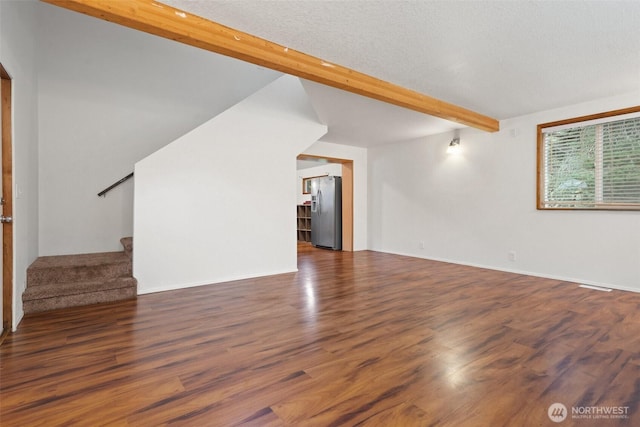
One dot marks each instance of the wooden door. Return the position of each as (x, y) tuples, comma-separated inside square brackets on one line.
[(6, 177)]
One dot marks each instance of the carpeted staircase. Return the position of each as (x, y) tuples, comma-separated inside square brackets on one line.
[(71, 280)]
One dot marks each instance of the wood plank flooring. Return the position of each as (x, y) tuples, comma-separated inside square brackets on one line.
[(360, 338)]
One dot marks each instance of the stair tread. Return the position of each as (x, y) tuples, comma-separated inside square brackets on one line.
[(77, 288), (88, 282), (79, 260)]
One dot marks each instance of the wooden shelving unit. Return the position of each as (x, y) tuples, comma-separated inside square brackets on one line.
[(304, 222)]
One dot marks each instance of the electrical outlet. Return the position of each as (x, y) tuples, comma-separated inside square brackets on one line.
[(512, 255), (421, 245)]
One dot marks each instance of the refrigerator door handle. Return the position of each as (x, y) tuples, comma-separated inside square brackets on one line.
[(319, 206)]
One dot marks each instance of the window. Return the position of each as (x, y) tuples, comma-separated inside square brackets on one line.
[(590, 162)]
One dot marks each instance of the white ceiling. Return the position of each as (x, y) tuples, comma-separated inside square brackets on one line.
[(499, 58)]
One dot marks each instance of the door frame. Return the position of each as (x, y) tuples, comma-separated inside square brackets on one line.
[(347, 196), (7, 192)]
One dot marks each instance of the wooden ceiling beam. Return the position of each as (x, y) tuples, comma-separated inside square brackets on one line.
[(165, 21)]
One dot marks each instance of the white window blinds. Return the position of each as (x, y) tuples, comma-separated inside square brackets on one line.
[(591, 165)]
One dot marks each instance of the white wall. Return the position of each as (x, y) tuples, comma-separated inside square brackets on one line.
[(218, 203), (477, 207), (18, 56), (331, 169), (107, 99), (360, 187)]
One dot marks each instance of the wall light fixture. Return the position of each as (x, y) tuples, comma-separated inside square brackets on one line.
[(454, 146)]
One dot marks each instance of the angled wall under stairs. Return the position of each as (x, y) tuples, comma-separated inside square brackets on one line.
[(55, 282), (225, 191)]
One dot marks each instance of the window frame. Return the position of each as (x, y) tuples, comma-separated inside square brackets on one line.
[(540, 182)]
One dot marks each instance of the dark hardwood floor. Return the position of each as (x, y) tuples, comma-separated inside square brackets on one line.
[(359, 338)]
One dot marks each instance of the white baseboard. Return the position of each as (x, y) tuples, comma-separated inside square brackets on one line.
[(523, 272), (173, 287)]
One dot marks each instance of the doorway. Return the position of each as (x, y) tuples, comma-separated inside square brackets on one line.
[(347, 195), (6, 202)]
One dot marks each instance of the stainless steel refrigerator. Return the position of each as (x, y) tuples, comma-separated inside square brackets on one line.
[(326, 212)]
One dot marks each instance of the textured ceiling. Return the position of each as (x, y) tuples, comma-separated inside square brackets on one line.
[(499, 58)]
